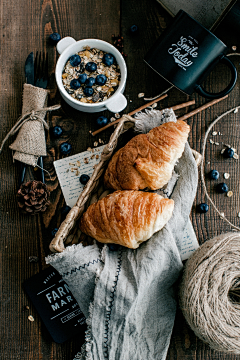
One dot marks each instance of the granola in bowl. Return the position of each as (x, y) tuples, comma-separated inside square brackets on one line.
[(91, 75)]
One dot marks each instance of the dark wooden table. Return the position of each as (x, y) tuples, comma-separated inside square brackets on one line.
[(25, 27)]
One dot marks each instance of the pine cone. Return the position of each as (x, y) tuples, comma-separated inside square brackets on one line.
[(33, 197)]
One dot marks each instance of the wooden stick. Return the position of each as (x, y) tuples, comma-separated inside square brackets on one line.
[(131, 113), (183, 105), (201, 108)]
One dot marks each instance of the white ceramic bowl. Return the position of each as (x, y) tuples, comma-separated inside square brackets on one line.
[(66, 48)]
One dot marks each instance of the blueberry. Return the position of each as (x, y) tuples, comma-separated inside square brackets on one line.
[(75, 60), (202, 208), (134, 29), (108, 59), (65, 148), (91, 66), (82, 78), (102, 120), (214, 174), (228, 153), (57, 131), (54, 38), (53, 232), (75, 84), (84, 179), (88, 91), (222, 188), (90, 81), (113, 247), (64, 211), (101, 79)]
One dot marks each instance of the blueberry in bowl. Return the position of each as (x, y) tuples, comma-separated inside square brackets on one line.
[(90, 81), (88, 91), (75, 60), (82, 78), (108, 59), (91, 66), (101, 79), (75, 84)]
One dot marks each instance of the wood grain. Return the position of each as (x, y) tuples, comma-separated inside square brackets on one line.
[(25, 27)]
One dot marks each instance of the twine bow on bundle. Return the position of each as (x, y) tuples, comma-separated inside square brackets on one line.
[(30, 143)]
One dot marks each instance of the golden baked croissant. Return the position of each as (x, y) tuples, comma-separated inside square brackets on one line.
[(126, 217), (147, 161)]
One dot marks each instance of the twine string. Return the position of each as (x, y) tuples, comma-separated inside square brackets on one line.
[(203, 162), (29, 116)]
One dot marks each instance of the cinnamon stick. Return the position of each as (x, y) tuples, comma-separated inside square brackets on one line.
[(183, 105), (201, 108), (131, 113)]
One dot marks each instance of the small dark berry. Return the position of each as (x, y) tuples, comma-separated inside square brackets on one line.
[(222, 188), (53, 232), (134, 29), (65, 148), (88, 91), (101, 79), (113, 247), (91, 66), (214, 174), (84, 178), (90, 81), (54, 38), (108, 59), (228, 153), (64, 211), (102, 121), (75, 84), (202, 208), (82, 78), (57, 131), (75, 60)]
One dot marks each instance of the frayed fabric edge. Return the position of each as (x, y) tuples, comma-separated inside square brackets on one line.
[(86, 349)]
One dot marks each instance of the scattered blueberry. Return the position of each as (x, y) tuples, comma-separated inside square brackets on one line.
[(102, 121), (54, 38), (113, 247), (84, 179), (75, 60), (222, 188), (65, 148), (75, 84), (57, 131), (214, 174), (101, 79), (91, 66), (134, 29), (88, 91), (53, 232), (228, 153), (90, 81), (64, 211), (82, 78), (108, 59), (202, 208)]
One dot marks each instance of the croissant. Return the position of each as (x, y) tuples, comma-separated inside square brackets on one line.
[(126, 217), (147, 160)]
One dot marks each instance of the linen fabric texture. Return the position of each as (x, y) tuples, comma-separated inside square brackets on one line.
[(128, 296)]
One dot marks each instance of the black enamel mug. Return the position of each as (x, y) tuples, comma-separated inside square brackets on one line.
[(186, 53)]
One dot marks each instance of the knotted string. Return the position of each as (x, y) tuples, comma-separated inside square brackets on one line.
[(32, 115)]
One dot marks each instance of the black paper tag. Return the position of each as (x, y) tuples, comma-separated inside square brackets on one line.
[(56, 305)]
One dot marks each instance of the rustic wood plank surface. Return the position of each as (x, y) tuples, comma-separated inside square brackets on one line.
[(25, 27)]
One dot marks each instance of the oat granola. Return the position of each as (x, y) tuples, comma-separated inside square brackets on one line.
[(83, 78)]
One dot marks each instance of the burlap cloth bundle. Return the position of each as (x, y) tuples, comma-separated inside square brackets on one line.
[(30, 142), (128, 296)]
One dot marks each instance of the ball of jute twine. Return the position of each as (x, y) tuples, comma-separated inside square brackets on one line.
[(210, 292)]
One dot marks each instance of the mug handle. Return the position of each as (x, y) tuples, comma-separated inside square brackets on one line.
[(225, 60)]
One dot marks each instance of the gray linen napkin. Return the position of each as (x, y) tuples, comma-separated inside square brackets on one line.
[(128, 296)]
